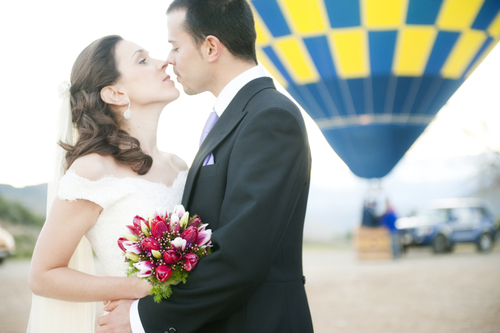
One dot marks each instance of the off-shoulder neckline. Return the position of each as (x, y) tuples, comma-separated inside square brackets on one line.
[(104, 177)]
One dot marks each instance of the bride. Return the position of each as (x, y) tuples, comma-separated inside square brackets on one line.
[(113, 171)]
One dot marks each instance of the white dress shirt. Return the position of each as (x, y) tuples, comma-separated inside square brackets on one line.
[(231, 89), (225, 97)]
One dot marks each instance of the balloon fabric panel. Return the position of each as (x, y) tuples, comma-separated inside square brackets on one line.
[(373, 73)]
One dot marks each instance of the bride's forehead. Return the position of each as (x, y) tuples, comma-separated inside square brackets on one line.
[(125, 47)]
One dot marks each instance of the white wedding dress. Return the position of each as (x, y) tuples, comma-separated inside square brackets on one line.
[(121, 199)]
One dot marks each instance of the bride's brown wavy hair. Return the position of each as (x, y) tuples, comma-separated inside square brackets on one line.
[(97, 125)]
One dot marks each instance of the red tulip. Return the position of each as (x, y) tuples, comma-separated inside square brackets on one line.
[(190, 261), (174, 224), (132, 230), (137, 222), (120, 243), (156, 219), (170, 256), (204, 237), (179, 211), (190, 234), (149, 244), (162, 212), (179, 244), (202, 227), (196, 221), (163, 272), (144, 268), (130, 233), (132, 247), (158, 228)]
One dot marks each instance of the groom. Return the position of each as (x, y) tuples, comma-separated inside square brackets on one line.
[(249, 181)]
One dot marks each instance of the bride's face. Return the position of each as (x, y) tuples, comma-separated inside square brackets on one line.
[(143, 79)]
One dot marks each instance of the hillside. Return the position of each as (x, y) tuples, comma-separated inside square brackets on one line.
[(34, 197), (22, 223)]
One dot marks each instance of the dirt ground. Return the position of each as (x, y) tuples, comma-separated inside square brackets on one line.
[(453, 293)]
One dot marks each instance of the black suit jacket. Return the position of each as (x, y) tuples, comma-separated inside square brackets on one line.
[(254, 198)]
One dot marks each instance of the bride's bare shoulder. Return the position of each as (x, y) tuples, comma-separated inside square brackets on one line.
[(94, 166)]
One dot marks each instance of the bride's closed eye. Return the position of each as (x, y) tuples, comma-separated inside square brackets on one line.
[(142, 61)]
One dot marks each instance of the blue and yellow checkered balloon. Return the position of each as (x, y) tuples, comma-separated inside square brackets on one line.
[(373, 73)]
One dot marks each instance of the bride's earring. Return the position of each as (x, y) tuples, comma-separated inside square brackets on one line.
[(127, 114)]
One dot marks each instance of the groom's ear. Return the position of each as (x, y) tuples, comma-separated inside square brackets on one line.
[(111, 95), (213, 48)]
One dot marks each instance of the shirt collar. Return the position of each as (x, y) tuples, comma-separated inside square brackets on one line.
[(231, 89)]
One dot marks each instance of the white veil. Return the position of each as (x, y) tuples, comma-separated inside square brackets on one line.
[(50, 315)]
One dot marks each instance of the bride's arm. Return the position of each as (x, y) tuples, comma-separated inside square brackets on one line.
[(50, 276)]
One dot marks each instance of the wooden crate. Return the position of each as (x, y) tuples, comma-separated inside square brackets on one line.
[(373, 243)]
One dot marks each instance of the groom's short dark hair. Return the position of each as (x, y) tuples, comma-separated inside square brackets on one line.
[(231, 21)]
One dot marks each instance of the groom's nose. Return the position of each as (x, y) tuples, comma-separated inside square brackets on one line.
[(170, 58), (164, 65)]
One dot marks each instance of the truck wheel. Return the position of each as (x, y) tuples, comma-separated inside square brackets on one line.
[(450, 248), (485, 243), (439, 244)]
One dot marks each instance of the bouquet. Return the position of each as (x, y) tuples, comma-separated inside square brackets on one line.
[(165, 248)]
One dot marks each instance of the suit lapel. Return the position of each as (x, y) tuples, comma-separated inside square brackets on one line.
[(231, 117)]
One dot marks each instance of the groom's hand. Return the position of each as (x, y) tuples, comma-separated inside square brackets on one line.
[(118, 320)]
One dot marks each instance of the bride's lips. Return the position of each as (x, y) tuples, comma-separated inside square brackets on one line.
[(166, 78)]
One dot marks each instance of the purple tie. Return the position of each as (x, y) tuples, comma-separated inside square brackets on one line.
[(212, 119)]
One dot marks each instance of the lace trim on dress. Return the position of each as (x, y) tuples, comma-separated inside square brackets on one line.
[(108, 189)]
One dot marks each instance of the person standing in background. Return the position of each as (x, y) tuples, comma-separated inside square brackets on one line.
[(388, 220)]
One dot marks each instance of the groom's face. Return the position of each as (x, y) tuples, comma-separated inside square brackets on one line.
[(186, 57)]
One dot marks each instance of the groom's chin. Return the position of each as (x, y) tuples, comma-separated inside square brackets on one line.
[(190, 92)]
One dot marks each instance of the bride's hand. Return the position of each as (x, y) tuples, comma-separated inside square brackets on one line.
[(141, 286)]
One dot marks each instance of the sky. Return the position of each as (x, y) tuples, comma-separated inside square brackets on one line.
[(41, 40)]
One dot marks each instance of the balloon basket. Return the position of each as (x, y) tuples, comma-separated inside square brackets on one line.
[(373, 244)]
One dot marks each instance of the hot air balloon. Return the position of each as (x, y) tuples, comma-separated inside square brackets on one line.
[(373, 73)]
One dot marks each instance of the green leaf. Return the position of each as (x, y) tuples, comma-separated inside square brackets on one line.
[(160, 291)]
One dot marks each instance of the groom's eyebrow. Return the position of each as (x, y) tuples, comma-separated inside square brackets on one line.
[(136, 52)]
